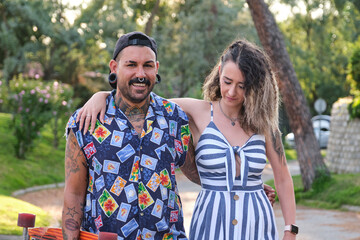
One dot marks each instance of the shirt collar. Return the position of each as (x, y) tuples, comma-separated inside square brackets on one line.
[(154, 107)]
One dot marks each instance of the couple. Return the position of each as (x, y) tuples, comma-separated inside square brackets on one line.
[(120, 176)]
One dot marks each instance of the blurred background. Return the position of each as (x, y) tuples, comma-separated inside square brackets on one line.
[(54, 55)]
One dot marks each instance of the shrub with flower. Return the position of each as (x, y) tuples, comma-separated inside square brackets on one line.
[(34, 103), (62, 106)]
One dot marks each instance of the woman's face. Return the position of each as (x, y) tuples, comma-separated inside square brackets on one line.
[(232, 84)]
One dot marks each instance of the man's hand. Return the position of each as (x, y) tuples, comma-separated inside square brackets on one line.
[(270, 193), (189, 168)]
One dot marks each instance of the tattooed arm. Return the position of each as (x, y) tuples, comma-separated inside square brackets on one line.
[(283, 181), (75, 188), (189, 168)]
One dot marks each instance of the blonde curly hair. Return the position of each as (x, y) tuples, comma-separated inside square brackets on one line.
[(259, 113)]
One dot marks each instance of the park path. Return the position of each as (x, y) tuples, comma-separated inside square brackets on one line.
[(314, 224)]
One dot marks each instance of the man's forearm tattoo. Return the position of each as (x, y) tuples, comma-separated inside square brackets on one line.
[(72, 154), (72, 224)]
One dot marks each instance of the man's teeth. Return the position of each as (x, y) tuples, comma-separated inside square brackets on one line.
[(139, 84)]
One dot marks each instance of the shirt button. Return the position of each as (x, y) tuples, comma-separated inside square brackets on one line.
[(236, 197), (140, 147), (234, 222), (141, 214), (141, 169)]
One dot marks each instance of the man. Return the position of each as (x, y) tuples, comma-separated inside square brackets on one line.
[(121, 178)]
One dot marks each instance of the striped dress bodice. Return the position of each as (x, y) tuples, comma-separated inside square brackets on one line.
[(230, 207)]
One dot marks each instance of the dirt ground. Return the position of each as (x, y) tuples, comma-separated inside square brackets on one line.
[(314, 224)]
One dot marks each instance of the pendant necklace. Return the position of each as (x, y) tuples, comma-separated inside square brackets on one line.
[(232, 120)]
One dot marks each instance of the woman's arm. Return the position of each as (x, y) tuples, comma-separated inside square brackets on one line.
[(88, 113), (283, 181), (97, 104)]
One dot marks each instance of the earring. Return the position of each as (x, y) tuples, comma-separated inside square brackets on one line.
[(112, 80), (158, 78)]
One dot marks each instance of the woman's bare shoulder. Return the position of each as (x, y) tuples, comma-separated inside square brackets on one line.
[(190, 104)]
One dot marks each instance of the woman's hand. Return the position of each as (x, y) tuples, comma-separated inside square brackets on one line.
[(88, 113)]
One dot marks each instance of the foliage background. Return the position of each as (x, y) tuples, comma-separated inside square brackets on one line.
[(321, 37), (40, 43)]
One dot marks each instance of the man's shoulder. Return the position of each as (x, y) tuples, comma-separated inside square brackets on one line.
[(169, 108)]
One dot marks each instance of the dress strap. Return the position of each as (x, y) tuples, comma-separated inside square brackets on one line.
[(212, 114)]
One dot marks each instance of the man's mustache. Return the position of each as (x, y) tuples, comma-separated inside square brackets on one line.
[(140, 80)]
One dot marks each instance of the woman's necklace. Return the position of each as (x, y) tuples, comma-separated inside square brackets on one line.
[(232, 120)]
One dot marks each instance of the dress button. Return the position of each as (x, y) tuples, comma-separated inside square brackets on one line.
[(236, 197), (234, 222)]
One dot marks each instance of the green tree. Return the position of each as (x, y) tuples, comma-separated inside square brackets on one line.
[(192, 40), (17, 38), (319, 43), (46, 38), (310, 160)]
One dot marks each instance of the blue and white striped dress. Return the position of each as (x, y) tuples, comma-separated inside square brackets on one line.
[(230, 207)]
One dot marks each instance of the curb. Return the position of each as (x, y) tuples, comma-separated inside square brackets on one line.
[(37, 188), (11, 237)]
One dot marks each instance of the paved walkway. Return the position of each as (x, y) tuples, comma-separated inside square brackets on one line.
[(314, 224)]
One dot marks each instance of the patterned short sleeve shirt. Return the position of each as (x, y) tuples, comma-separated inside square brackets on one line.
[(132, 188)]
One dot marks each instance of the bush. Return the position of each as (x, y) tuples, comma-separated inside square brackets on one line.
[(354, 108), (354, 79), (355, 67), (62, 105), (32, 104)]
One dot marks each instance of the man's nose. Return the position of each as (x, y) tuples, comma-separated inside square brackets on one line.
[(140, 73)]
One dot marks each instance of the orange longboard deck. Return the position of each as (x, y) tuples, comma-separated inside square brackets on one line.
[(41, 233)]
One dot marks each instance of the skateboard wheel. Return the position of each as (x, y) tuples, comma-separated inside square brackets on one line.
[(107, 236), (26, 220)]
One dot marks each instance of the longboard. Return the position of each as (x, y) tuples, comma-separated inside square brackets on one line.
[(45, 233)]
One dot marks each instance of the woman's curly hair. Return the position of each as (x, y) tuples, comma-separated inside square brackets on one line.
[(259, 112)]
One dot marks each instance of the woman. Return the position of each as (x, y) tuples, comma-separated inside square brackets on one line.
[(235, 129)]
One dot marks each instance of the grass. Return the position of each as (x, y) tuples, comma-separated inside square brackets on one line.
[(9, 209), (44, 165), (333, 193), (290, 154)]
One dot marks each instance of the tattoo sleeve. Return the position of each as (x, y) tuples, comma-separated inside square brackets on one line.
[(72, 154), (278, 146), (75, 188), (189, 168)]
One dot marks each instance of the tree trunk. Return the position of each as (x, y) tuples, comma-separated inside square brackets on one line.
[(149, 24), (307, 147)]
